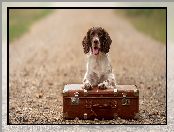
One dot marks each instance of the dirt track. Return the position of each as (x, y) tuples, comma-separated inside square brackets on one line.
[(51, 55)]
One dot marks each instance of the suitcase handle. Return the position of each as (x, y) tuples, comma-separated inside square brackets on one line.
[(99, 106)]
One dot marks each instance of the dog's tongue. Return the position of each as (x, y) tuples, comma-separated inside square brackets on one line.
[(95, 51)]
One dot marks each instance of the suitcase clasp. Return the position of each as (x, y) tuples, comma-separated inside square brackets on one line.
[(125, 101), (75, 99)]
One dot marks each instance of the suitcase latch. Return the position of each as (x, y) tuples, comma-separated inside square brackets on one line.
[(75, 99), (125, 100), (115, 92)]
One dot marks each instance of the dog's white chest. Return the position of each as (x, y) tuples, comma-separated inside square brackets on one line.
[(99, 65)]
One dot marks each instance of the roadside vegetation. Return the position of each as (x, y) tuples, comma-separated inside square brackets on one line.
[(150, 21), (20, 20)]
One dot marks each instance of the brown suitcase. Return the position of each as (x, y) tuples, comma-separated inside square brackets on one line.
[(123, 102)]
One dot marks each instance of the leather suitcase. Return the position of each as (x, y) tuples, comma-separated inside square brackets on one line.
[(122, 101)]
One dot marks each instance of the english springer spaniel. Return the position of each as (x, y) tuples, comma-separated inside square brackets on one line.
[(96, 45)]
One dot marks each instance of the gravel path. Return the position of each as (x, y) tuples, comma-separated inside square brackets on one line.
[(50, 55)]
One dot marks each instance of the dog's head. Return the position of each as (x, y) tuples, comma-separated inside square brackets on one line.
[(97, 40)]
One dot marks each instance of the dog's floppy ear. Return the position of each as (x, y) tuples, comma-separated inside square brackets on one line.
[(106, 42), (86, 42)]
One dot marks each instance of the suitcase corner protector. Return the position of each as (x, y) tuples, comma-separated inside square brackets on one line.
[(65, 115), (136, 116), (64, 92), (136, 92)]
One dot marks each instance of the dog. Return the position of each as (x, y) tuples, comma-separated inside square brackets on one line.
[(96, 45)]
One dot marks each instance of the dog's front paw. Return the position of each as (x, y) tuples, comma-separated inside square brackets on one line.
[(87, 86), (102, 86)]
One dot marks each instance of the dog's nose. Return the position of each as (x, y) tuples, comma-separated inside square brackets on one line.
[(95, 41)]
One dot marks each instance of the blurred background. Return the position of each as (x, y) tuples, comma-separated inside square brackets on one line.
[(149, 21), (22, 19)]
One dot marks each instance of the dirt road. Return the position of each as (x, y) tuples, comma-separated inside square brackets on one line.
[(50, 55)]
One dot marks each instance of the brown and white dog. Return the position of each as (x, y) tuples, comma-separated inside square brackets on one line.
[(96, 45)]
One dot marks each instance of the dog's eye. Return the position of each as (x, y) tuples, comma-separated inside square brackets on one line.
[(92, 33), (99, 34)]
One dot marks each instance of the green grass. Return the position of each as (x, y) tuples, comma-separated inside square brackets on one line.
[(20, 20), (150, 21)]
